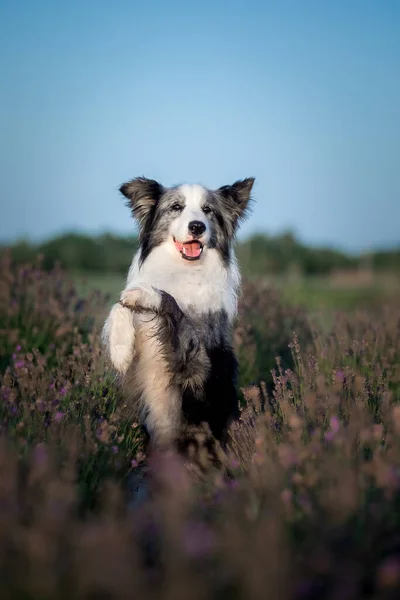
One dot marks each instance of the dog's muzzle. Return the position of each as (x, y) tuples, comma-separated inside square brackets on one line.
[(191, 250)]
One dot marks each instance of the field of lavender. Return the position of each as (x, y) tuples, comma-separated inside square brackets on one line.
[(305, 504)]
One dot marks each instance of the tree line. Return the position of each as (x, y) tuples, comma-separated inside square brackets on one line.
[(259, 254)]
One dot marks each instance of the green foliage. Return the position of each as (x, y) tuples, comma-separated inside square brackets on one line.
[(262, 254), (258, 255), (385, 259), (76, 252)]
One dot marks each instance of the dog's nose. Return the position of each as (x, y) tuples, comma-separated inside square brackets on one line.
[(196, 227)]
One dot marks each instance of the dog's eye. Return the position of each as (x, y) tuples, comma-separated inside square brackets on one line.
[(207, 210), (176, 207)]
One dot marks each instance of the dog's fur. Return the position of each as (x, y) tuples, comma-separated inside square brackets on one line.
[(170, 336)]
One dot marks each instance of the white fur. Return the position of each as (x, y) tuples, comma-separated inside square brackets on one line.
[(203, 285), (149, 384), (119, 336), (141, 296), (195, 198)]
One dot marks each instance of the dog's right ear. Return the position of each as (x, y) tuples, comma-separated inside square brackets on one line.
[(143, 195)]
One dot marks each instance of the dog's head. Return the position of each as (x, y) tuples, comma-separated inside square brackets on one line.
[(191, 218)]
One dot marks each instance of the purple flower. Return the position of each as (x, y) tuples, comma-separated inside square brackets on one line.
[(218, 497), (63, 391), (5, 393), (340, 375), (19, 364), (198, 539), (40, 455), (335, 424), (41, 405), (388, 574), (58, 417), (114, 449), (18, 348), (286, 496), (304, 503)]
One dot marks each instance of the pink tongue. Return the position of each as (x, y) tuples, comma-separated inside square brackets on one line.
[(193, 249)]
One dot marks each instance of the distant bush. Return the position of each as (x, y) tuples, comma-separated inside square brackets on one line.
[(259, 255), (262, 254), (385, 259), (76, 252)]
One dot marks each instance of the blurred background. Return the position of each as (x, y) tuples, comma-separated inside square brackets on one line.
[(305, 96)]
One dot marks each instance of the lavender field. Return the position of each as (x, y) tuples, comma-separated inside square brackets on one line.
[(305, 505)]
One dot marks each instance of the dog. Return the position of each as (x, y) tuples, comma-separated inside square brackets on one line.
[(170, 335)]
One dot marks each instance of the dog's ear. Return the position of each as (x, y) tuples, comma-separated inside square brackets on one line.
[(143, 195), (237, 198)]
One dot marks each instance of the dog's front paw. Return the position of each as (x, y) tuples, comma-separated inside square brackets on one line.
[(142, 299), (118, 336)]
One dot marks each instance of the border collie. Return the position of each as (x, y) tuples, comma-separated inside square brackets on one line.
[(170, 335)]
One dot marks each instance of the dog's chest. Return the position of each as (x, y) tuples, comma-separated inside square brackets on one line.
[(209, 287)]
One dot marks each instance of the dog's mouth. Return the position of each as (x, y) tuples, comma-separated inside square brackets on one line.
[(191, 250)]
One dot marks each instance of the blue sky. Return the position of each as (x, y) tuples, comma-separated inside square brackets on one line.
[(303, 95)]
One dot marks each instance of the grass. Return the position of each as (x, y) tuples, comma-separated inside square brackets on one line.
[(109, 285), (320, 296), (314, 293), (305, 504)]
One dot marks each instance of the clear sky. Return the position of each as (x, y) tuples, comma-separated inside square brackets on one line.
[(304, 95)]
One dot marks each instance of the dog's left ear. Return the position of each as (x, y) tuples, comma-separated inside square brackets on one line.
[(237, 198), (143, 194)]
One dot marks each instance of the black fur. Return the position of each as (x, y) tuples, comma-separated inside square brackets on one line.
[(150, 203), (198, 350)]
